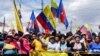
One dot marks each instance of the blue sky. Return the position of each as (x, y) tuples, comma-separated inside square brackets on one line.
[(79, 11)]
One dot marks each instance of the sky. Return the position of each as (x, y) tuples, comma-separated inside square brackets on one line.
[(77, 11)]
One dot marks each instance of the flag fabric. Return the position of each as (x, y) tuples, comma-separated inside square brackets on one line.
[(19, 14), (77, 27), (47, 53), (49, 15), (18, 23), (88, 27), (34, 23), (32, 18), (88, 33), (36, 27), (42, 19), (54, 8), (61, 14)]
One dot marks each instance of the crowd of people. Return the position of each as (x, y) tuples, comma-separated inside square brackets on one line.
[(12, 43)]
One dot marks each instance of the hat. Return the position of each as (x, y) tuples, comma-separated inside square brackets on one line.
[(51, 37), (26, 34)]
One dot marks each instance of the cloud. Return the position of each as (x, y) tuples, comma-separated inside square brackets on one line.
[(83, 11)]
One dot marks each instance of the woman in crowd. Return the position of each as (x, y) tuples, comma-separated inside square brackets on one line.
[(94, 46), (9, 48), (32, 37), (77, 45), (51, 46), (45, 38), (25, 45), (57, 39), (62, 46), (38, 44)]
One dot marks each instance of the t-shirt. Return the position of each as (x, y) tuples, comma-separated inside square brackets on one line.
[(61, 47), (94, 47), (38, 45), (51, 46), (45, 40), (77, 46)]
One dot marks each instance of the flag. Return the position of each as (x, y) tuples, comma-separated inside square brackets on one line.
[(77, 27), (88, 33), (18, 23), (54, 8), (19, 14), (61, 14), (32, 18), (49, 15), (34, 23), (47, 53), (42, 19), (36, 27), (3, 29), (88, 27)]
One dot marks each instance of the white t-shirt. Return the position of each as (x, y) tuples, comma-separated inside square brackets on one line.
[(77, 46), (82, 40), (51, 46), (62, 47)]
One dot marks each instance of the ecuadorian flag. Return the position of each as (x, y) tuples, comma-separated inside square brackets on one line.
[(49, 15), (54, 8), (86, 30), (42, 19)]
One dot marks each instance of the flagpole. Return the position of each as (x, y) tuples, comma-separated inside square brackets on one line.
[(71, 25), (42, 4), (20, 4), (3, 25)]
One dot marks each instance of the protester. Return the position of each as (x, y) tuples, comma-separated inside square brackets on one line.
[(77, 45), (62, 46), (51, 45), (94, 46), (9, 48), (37, 44), (25, 44), (15, 43), (46, 37), (57, 39)]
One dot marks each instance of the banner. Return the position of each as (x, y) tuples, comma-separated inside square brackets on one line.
[(46, 53)]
